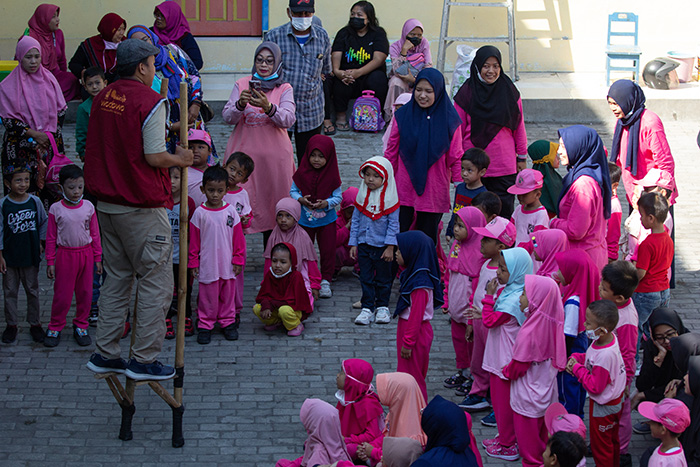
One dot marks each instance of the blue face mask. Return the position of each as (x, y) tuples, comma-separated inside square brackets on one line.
[(267, 78)]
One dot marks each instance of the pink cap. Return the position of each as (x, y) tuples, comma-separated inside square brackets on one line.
[(671, 413), (658, 177), (199, 135), (526, 181), (499, 228), (556, 418)]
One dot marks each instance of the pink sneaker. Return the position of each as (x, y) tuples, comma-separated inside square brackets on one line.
[(296, 331), (272, 327), (501, 452), (490, 442)]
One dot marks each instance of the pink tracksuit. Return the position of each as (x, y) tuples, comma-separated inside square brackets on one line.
[(216, 244), (415, 332), (73, 246)]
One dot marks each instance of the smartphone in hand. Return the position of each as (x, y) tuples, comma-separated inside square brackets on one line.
[(255, 84)]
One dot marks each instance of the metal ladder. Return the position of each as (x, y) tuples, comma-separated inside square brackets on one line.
[(446, 41)]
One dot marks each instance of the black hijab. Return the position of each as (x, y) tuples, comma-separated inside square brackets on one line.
[(490, 106), (690, 439), (683, 347)]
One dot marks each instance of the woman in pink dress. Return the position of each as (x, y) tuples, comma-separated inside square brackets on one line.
[(584, 202), (262, 108)]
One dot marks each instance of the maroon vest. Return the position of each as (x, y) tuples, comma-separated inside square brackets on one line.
[(115, 168)]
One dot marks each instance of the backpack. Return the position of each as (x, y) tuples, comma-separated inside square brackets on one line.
[(57, 162), (367, 113)]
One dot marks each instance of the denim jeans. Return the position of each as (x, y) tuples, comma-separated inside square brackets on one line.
[(375, 276), (645, 303)]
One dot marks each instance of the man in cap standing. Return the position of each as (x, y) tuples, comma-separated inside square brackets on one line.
[(126, 168)]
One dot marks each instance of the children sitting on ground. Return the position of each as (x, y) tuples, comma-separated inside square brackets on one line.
[(217, 255), (287, 230), (73, 249), (497, 236), (601, 371), (420, 292), (530, 215), (567, 432), (463, 267), (342, 232), (316, 186), (23, 223), (615, 222), (475, 161), (539, 353), (544, 159), (361, 413), (375, 223), (239, 167), (174, 217), (668, 420), (94, 81), (283, 298), (199, 142)]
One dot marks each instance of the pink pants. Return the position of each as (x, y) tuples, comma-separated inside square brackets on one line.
[(625, 425), (463, 349), (531, 434), (481, 377), (216, 303), (500, 399), (417, 365), (238, 299), (73, 274)]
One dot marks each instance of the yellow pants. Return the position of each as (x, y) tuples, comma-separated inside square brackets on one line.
[(284, 314)]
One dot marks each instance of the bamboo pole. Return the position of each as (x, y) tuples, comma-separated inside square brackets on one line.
[(183, 279)]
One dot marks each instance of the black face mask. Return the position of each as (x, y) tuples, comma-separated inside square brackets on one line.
[(357, 23), (415, 41)]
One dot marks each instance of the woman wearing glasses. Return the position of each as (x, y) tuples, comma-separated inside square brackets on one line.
[(262, 108)]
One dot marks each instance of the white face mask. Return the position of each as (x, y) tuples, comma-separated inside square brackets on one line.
[(340, 395), (302, 24), (590, 333), (281, 275)]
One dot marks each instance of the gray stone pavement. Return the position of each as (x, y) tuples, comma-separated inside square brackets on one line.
[(242, 398)]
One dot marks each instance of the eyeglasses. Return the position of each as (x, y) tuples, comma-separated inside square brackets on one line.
[(259, 61), (666, 337)]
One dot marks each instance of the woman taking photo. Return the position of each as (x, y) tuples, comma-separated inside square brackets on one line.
[(262, 108), (491, 110)]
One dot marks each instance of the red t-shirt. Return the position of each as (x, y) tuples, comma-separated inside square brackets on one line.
[(655, 255)]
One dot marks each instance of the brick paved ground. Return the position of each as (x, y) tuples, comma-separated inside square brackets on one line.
[(243, 398)]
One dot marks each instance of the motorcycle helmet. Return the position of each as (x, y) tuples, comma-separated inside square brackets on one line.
[(660, 73)]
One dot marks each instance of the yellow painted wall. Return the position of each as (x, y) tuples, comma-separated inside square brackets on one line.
[(553, 35)]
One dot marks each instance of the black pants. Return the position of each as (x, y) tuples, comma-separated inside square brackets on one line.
[(375, 276), (375, 81), (302, 139), (426, 222), (500, 185)]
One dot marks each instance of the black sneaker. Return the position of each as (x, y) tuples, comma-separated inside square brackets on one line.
[(149, 371), (92, 319), (489, 420), (455, 380), (9, 334), (231, 331), (99, 364), (81, 336), (52, 338), (465, 388), (189, 327), (203, 336), (37, 333)]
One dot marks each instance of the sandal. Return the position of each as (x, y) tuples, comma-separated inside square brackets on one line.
[(342, 126), (328, 130)]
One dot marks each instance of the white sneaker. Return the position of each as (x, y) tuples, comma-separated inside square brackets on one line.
[(383, 316), (365, 317), (325, 291)]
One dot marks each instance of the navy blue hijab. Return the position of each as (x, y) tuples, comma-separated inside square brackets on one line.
[(586, 157), (426, 134), (422, 270), (449, 443), (630, 97)]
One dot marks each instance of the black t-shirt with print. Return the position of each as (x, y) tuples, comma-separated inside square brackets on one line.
[(358, 51)]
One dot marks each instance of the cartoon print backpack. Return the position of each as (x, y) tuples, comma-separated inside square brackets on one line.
[(367, 113)]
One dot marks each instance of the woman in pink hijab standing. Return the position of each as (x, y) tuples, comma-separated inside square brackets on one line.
[(172, 27), (43, 26), (31, 107)]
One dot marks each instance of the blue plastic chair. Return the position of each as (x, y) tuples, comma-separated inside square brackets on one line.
[(617, 27)]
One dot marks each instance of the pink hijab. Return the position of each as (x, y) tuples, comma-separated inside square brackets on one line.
[(349, 196), (297, 236), (34, 99), (39, 30), (541, 337), (176, 24), (401, 393), (362, 405), (549, 242), (422, 48), (325, 443), (465, 256), (582, 278)]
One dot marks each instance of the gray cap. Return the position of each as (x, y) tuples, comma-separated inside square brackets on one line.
[(133, 51)]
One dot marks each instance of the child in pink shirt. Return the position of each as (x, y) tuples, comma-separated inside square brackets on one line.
[(72, 247), (615, 221), (539, 354), (217, 255), (668, 420), (200, 144), (601, 371)]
